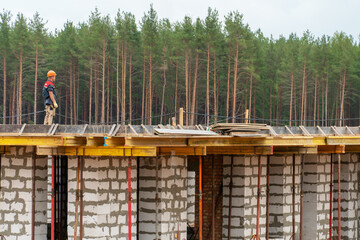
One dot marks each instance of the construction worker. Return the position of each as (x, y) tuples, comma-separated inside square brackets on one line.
[(50, 97)]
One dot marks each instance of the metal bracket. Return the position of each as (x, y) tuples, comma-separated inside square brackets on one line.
[(50, 129), (22, 129), (303, 129), (347, 128), (147, 131), (54, 129), (112, 129), (272, 131), (320, 130), (132, 129)]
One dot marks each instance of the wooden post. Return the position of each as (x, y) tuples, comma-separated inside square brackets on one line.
[(247, 116), (173, 121), (181, 117)]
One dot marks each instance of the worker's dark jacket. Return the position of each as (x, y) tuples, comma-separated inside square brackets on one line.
[(49, 87)]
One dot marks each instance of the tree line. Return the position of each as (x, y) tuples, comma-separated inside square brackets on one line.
[(123, 71)]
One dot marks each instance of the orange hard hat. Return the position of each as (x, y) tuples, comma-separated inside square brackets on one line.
[(51, 73)]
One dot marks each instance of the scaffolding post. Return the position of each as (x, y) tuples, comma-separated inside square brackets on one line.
[(331, 196), (293, 196), (267, 195), (53, 198), (77, 197), (81, 196), (200, 200), (33, 196), (258, 200), (302, 196), (230, 196), (181, 116), (339, 197), (129, 200)]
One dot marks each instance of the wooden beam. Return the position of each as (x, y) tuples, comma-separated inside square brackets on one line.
[(4, 149), (343, 140), (352, 149), (251, 141), (288, 150), (98, 151), (30, 141), (156, 141), (182, 151), (326, 149), (240, 150)]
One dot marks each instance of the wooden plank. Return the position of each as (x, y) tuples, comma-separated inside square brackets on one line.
[(352, 149), (343, 140), (240, 150), (288, 150), (30, 141), (326, 149), (97, 151), (155, 141), (182, 151)]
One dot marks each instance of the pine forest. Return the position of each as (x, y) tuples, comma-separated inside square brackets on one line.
[(142, 71)]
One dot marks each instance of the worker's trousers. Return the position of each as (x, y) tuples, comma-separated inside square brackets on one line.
[(50, 113)]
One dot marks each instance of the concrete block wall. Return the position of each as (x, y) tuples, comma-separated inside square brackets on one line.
[(238, 188), (170, 188), (191, 198), (16, 194), (105, 197)]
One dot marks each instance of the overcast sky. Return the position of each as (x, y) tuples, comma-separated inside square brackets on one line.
[(273, 17)]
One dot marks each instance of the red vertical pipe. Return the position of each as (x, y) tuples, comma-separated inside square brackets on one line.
[(129, 201), (339, 198), (258, 201), (53, 198), (200, 199), (331, 196)]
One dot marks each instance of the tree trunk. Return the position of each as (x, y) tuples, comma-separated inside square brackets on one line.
[(90, 90), (176, 89), (96, 108), (303, 104), (35, 84), (20, 89), (13, 110), (215, 92), (326, 99), (186, 85), (163, 95), (150, 90), (235, 82), (228, 91), (130, 74), (342, 121), (123, 86), (103, 84), (117, 83), (291, 96), (315, 101), (143, 93), (71, 93), (194, 89), (4, 95), (208, 87), (108, 94)]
